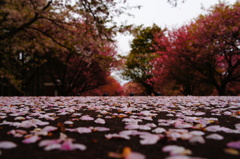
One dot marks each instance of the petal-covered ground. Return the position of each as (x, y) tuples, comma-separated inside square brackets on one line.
[(120, 127)]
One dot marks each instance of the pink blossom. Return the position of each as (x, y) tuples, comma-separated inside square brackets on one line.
[(100, 121), (234, 144), (7, 145), (215, 137), (80, 130), (87, 118), (135, 155), (49, 128), (63, 143), (176, 150), (31, 139), (68, 122), (149, 139), (17, 132)]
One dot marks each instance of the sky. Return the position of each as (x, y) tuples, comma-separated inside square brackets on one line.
[(162, 14)]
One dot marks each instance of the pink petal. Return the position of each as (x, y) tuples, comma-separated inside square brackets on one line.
[(80, 130), (52, 147), (149, 139), (176, 150), (213, 128), (48, 142), (100, 121), (215, 137), (101, 129), (67, 145), (31, 139), (68, 122), (135, 155), (50, 128), (17, 133), (234, 144), (197, 139), (159, 130), (79, 146), (87, 118), (7, 145)]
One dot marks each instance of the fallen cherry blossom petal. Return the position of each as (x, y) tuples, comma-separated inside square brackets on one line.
[(79, 147), (52, 147), (126, 154), (87, 118), (99, 121), (109, 136), (7, 145), (135, 155), (197, 133), (80, 130), (100, 128), (183, 157), (31, 139), (197, 139), (213, 128), (149, 139), (215, 137), (49, 128), (68, 122), (48, 142), (234, 144), (176, 150), (159, 130), (17, 133), (237, 126)]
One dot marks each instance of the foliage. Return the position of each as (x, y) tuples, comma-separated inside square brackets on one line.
[(204, 54), (35, 32), (134, 88), (137, 65), (110, 88)]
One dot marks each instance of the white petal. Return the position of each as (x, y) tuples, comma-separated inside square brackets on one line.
[(149, 139), (50, 128), (79, 146), (87, 118), (197, 139), (197, 133), (159, 130), (100, 121), (215, 137), (7, 145), (52, 147), (68, 122), (135, 155), (31, 139)]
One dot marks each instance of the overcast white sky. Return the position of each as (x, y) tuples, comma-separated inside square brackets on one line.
[(164, 15)]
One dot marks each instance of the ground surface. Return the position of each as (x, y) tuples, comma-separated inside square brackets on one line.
[(119, 127)]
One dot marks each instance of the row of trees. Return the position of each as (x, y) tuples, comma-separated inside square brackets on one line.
[(67, 43), (70, 45), (200, 58)]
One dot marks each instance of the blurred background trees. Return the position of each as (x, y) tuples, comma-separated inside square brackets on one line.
[(204, 56), (66, 45), (200, 58), (138, 66), (50, 47)]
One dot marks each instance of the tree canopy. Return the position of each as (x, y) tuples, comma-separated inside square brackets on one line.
[(34, 33), (203, 55), (137, 66)]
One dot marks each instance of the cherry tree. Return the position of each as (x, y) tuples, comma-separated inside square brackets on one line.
[(33, 32), (204, 54)]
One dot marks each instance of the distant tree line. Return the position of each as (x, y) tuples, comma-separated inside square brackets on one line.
[(200, 58)]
